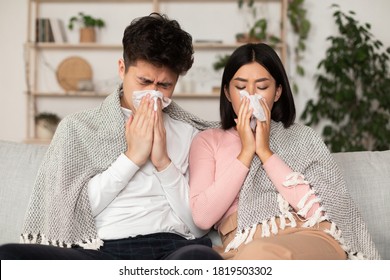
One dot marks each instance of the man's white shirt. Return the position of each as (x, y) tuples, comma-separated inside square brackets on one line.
[(127, 200)]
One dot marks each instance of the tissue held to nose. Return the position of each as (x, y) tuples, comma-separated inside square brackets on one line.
[(258, 112), (154, 94)]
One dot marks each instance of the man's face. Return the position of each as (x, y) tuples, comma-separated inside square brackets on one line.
[(145, 76)]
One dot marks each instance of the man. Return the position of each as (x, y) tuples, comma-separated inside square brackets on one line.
[(113, 184)]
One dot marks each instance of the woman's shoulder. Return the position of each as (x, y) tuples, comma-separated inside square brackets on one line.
[(296, 129), (305, 135), (305, 130), (209, 136), (210, 133)]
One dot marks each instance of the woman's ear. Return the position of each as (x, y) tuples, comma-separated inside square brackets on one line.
[(227, 94), (278, 93)]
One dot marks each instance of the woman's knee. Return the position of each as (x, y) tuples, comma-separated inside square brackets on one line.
[(260, 250)]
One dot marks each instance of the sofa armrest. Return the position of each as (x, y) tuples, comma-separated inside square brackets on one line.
[(19, 164), (367, 175)]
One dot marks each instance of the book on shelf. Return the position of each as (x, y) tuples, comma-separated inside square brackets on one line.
[(58, 29), (43, 30), (50, 30)]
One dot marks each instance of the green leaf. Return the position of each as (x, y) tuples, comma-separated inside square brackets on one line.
[(353, 84), (300, 70)]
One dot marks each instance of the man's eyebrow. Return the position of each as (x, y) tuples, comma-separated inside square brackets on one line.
[(145, 79), (164, 84)]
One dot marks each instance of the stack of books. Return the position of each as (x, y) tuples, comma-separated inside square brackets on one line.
[(50, 30)]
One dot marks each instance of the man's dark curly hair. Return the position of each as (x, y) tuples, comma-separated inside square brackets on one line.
[(160, 41)]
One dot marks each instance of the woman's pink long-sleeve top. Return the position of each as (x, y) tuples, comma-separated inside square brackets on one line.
[(216, 177)]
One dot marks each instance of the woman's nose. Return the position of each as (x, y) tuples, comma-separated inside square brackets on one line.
[(250, 89)]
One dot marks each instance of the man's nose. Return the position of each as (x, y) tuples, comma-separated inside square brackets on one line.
[(152, 87)]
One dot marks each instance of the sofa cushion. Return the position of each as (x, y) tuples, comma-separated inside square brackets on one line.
[(19, 164), (367, 175)]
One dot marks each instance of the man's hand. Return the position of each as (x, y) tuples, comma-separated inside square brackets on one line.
[(159, 154), (139, 132)]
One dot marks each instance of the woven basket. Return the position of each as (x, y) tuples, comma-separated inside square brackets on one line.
[(71, 71)]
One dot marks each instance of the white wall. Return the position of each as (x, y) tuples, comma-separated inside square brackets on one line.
[(220, 22)]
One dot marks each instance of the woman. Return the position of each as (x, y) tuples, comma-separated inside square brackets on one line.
[(272, 191)]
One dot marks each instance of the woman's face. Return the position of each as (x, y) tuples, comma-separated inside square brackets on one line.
[(253, 78)]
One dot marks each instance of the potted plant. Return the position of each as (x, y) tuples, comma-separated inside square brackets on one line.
[(354, 89), (46, 125), (221, 62), (88, 25), (257, 32)]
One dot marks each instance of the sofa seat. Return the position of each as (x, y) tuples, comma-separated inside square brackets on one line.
[(367, 175)]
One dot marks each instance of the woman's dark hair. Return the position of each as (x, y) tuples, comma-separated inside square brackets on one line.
[(284, 109), (160, 41)]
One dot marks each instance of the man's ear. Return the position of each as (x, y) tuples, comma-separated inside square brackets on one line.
[(121, 68), (227, 94), (278, 93)]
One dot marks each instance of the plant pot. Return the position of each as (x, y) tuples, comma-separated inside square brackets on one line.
[(45, 129), (245, 38), (87, 35)]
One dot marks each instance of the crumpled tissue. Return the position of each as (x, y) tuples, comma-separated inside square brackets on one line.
[(154, 94), (258, 112)]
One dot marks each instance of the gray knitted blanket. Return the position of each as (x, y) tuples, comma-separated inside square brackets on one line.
[(84, 145), (305, 152)]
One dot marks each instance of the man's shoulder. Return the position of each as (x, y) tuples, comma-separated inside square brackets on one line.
[(74, 121), (86, 114)]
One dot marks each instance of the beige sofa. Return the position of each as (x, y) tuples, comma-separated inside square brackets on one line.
[(367, 175)]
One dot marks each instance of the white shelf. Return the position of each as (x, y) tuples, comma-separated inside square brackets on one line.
[(99, 46), (69, 94), (36, 49), (93, 94)]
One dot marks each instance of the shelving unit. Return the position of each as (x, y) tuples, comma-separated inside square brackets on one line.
[(35, 49)]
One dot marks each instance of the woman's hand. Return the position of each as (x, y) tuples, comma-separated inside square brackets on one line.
[(246, 134), (262, 134)]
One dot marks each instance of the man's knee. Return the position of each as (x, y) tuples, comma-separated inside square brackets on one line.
[(10, 252), (195, 252)]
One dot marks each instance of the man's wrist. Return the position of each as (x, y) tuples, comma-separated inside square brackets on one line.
[(134, 159), (162, 165)]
